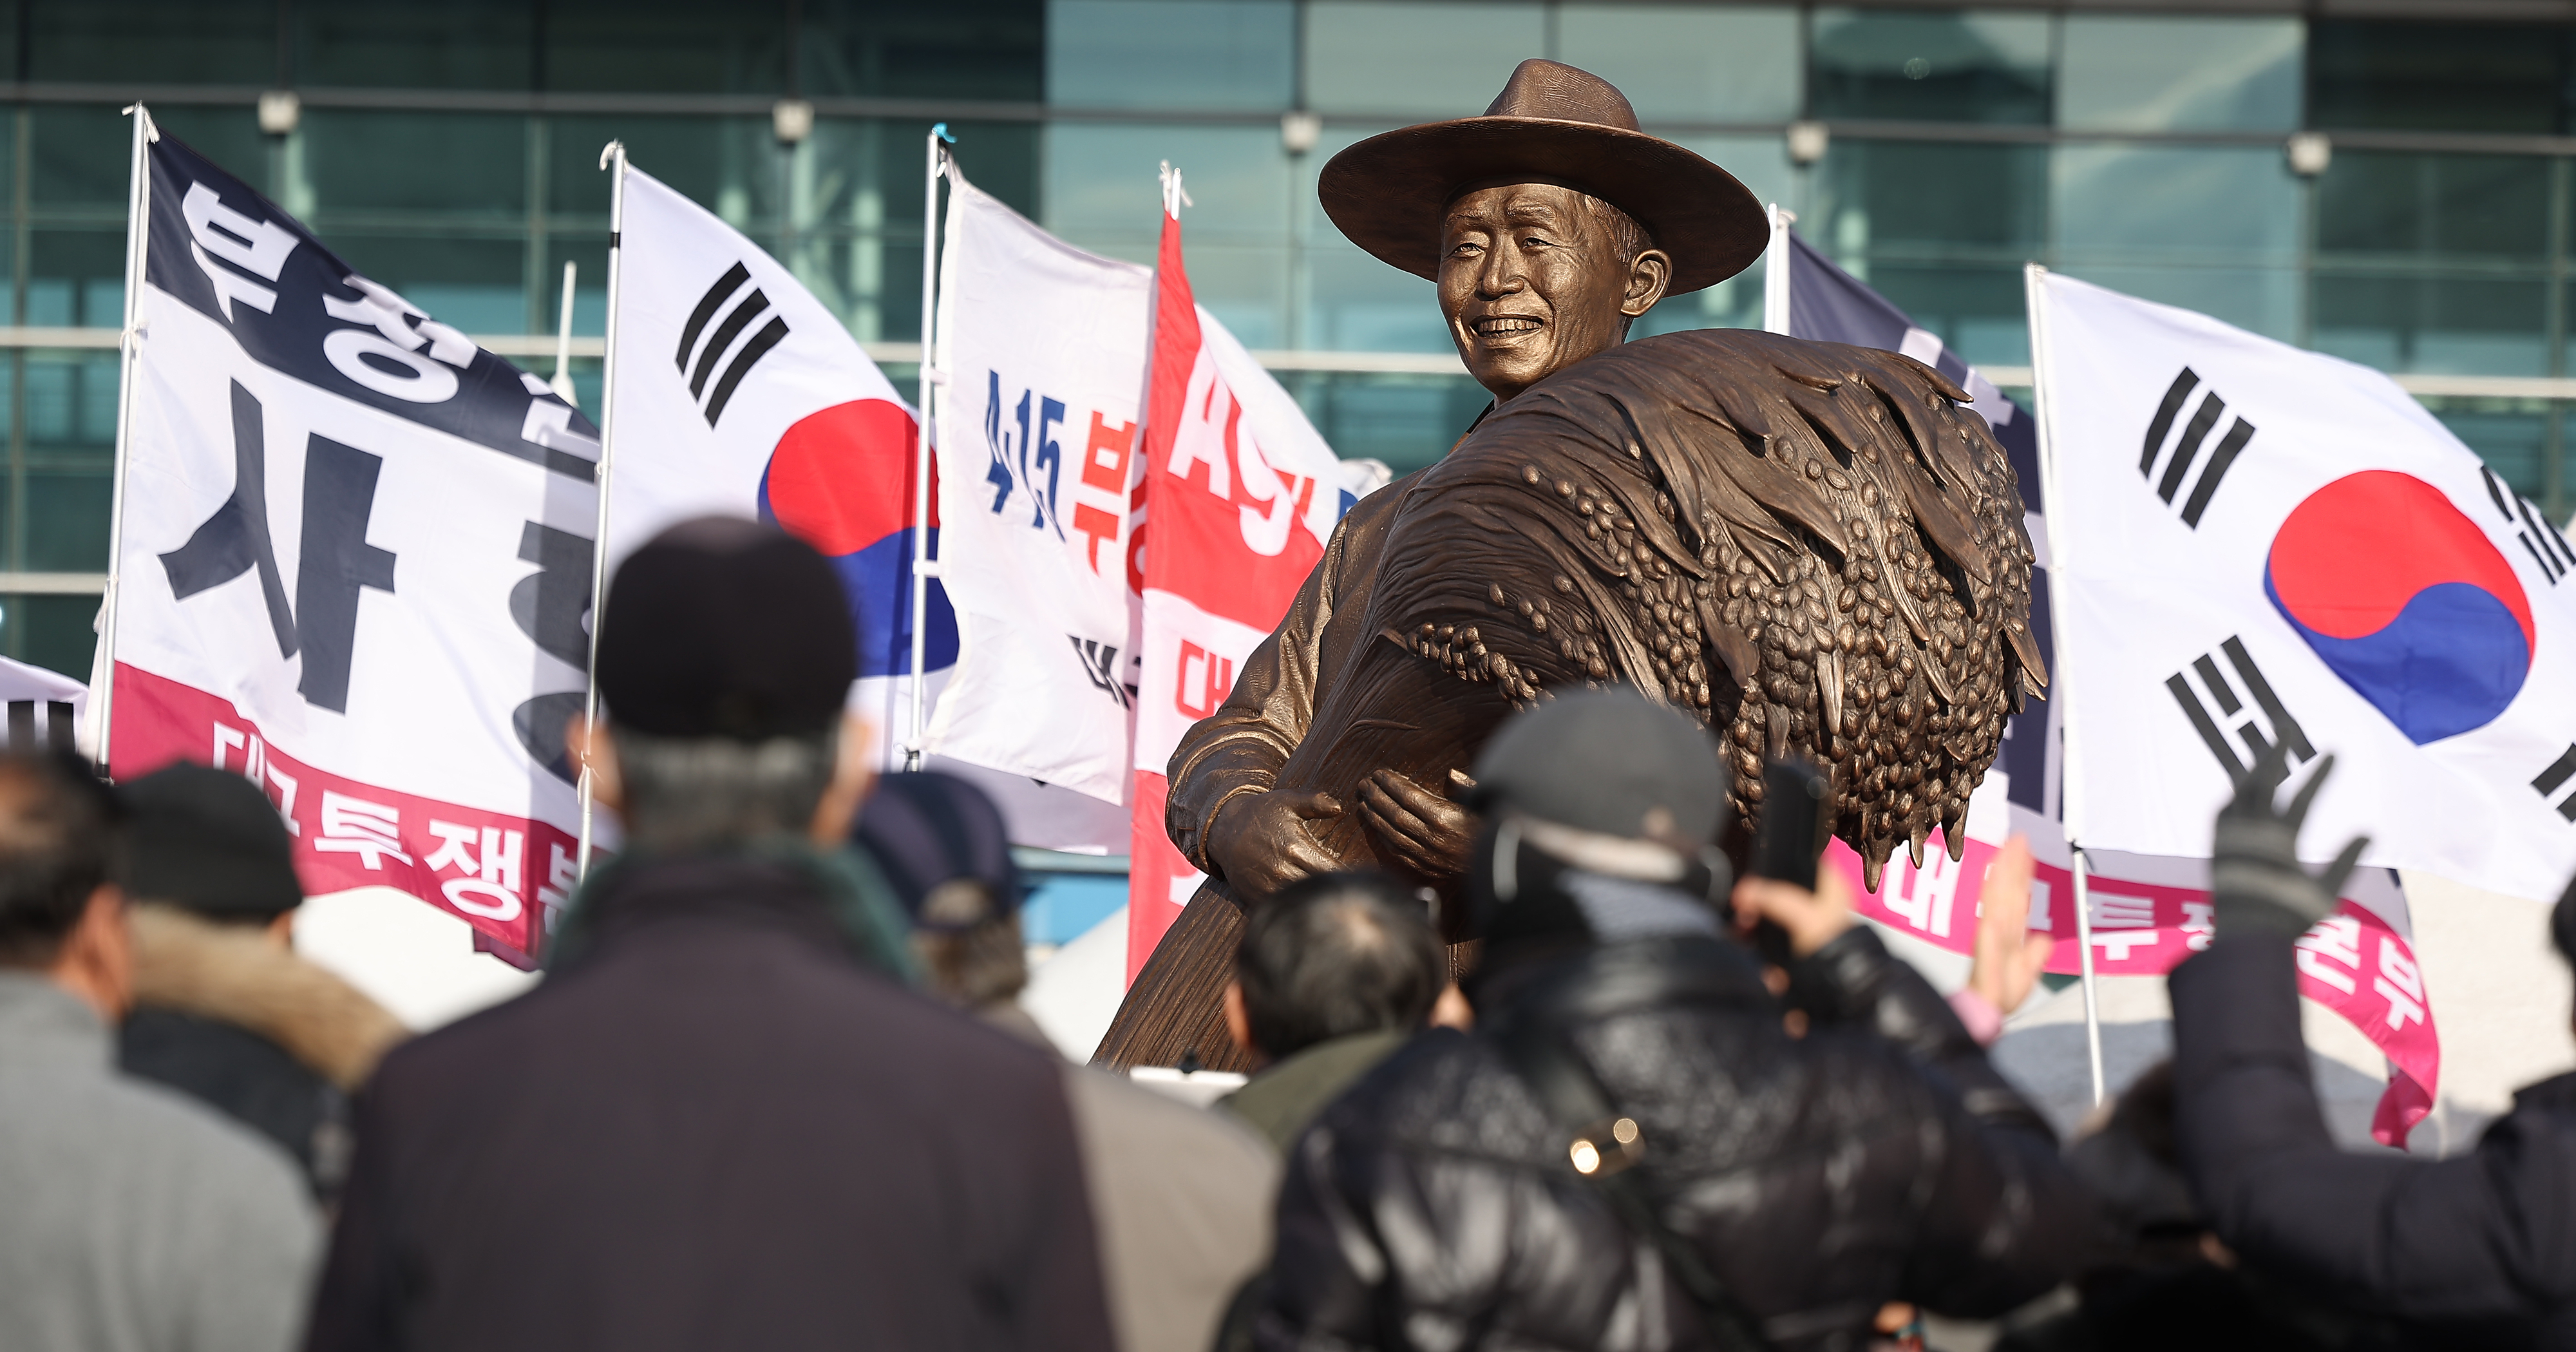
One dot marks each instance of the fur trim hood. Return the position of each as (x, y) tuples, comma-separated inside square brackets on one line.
[(236, 974)]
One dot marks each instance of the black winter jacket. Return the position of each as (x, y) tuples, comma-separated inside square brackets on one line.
[(2476, 1250), (1433, 1207)]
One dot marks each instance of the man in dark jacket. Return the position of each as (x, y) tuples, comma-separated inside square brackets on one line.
[(1333, 975), (1632, 1151), (224, 1009), (723, 1120), (2478, 1249)]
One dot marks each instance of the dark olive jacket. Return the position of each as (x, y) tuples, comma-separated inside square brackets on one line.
[(714, 1128), (1879, 1158)]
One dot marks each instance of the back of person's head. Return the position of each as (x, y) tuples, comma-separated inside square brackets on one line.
[(943, 848), (1601, 815), (57, 848), (208, 842), (1335, 955), (2562, 923), (726, 653)]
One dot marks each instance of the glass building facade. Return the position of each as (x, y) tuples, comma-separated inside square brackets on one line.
[(451, 151)]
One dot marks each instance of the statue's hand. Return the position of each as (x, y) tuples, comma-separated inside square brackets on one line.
[(1416, 828), (1260, 843)]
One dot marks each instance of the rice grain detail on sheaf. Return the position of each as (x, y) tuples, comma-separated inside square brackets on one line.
[(1809, 547)]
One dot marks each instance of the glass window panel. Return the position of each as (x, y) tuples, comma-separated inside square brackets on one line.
[(1355, 303), (2511, 435), (478, 285), (956, 49), (1172, 53), (229, 136), (1870, 196), (70, 399), (52, 632), (733, 167), (1407, 421), (1411, 57), (664, 47), (347, 163), (2202, 204), (1689, 65), (2437, 76), (1760, 163), (456, 44), (2454, 325), (200, 42), (2161, 74), (76, 278), (2460, 205), (1101, 180), (1954, 67), (1976, 310), (67, 515), (589, 289), (79, 158)]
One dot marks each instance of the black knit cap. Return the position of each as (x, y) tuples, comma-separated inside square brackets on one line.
[(208, 841), (722, 627), (925, 828)]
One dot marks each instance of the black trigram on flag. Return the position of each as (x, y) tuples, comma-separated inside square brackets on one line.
[(2548, 548), (721, 338), (2186, 448), (2231, 702), (1100, 667), (23, 735), (2550, 781)]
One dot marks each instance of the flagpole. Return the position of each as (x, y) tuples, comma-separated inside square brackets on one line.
[(612, 153), (922, 566), (2035, 300), (562, 383), (1775, 272), (138, 241)]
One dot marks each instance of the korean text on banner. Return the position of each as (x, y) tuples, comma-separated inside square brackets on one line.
[(740, 394), (1244, 496), (1043, 351), (354, 565)]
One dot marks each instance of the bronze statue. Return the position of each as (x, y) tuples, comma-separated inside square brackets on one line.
[(1807, 547)]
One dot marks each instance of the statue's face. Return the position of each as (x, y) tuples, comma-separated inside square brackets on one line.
[(1531, 282)]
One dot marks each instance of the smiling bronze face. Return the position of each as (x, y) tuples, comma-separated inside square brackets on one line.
[(1532, 280)]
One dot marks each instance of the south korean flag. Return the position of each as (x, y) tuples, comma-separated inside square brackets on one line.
[(2259, 546)]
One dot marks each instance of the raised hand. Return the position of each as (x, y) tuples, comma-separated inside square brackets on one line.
[(1415, 828), (1260, 843), (2255, 879), (2010, 954)]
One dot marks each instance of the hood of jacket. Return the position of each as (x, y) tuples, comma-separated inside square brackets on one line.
[(236, 974)]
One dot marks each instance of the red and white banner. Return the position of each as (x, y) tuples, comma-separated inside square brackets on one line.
[(354, 565), (1244, 495)]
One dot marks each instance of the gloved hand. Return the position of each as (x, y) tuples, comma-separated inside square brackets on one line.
[(2255, 877)]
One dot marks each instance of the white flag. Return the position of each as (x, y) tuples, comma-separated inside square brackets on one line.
[(354, 566), (2259, 545), (1043, 347)]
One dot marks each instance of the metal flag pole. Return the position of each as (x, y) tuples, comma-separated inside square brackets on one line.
[(562, 383), (614, 153), (1775, 272), (923, 566), (138, 242), (2035, 300)]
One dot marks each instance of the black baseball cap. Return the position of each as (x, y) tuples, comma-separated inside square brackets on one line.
[(1606, 761), (925, 829), (208, 841), (724, 627)]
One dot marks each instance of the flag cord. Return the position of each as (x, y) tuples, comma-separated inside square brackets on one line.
[(933, 159), (2070, 777), (613, 153), (138, 239)]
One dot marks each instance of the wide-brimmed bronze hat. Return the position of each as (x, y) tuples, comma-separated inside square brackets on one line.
[(1551, 124)]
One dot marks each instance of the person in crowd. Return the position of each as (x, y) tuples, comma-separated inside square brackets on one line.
[(132, 1218), (723, 1118), (2481, 1247), (1181, 1196), (1334, 974), (224, 1010), (1676, 1168)]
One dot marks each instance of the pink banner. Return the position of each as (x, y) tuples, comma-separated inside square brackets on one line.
[(2353, 963), (486, 867)]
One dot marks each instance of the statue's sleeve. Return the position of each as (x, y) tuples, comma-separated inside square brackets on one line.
[(1239, 748)]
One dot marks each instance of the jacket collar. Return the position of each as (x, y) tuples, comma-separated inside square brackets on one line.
[(2557, 1094), (41, 1021), (832, 898)]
